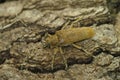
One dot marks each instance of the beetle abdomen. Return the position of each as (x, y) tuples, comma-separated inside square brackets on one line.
[(71, 35)]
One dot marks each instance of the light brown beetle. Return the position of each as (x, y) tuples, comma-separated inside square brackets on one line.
[(67, 37)]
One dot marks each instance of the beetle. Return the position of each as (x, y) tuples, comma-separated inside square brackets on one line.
[(67, 37)]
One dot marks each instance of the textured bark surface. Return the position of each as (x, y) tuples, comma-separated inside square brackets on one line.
[(23, 23)]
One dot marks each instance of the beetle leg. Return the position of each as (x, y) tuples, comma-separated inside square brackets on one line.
[(65, 25), (78, 19), (78, 47), (71, 26), (23, 23), (53, 57), (65, 61)]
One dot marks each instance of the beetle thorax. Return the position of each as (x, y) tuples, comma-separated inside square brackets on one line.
[(52, 40)]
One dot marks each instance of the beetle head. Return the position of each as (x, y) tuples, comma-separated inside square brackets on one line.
[(49, 40)]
